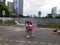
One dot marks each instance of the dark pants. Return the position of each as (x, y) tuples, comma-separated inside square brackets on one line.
[(28, 31)]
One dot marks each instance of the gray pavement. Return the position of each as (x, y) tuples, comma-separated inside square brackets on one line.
[(10, 35)]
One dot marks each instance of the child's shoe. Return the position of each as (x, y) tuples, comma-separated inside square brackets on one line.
[(27, 36), (33, 35)]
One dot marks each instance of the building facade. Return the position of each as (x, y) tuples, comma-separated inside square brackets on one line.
[(54, 10), (10, 6), (39, 13), (4, 1), (18, 6)]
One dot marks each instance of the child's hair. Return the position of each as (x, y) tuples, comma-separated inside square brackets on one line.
[(30, 23), (59, 27), (27, 22)]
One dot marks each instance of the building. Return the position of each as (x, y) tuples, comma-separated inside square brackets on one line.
[(18, 6), (54, 15), (4, 1), (10, 6), (39, 13), (54, 10)]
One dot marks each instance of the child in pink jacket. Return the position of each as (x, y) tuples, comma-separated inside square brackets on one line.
[(29, 31)]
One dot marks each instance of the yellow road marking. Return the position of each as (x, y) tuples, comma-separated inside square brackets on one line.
[(11, 40), (35, 42), (50, 44), (56, 44), (26, 42), (23, 41), (1, 39), (6, 39), (29, 42), (0, 43), (6, 44), (17, 41), (42, 43), (54, 35)]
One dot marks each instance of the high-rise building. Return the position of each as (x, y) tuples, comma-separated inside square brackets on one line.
[(39, 13), (4, 1), (10, 6), (54, 12), (18, 6), (54, 9)]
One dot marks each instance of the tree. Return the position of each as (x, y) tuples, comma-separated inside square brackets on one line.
[(57, 16), (4, 7), (27, 16), (49, 16)]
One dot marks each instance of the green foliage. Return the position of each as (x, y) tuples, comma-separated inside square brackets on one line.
[(8, 22), (1, 21), (57, 17), (49, 16), (3, 7), (49, 25), (21, 16), (11, 22), (27, 16)]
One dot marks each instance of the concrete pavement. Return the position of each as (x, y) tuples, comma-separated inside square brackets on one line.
[(10, 35)]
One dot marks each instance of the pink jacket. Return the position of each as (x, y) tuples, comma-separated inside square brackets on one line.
[(30, 27)]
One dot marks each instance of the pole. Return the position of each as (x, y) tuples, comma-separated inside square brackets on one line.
[(3, 13), (3, 19)]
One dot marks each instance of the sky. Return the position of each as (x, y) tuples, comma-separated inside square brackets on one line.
[(31, 7)]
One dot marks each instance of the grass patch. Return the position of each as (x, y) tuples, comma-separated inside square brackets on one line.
[(49, 25), (8, 22)]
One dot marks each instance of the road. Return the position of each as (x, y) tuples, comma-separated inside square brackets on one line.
[(10, 35)]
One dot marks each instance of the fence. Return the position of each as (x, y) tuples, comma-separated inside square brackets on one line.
[(40, 20)]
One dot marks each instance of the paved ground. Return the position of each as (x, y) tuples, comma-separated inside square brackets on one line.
[(10, 35)]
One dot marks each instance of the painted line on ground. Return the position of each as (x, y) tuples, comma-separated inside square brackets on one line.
[(18, 41)]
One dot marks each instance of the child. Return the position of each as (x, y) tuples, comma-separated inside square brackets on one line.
[(58, 30), (26, 24), (29, 31)]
